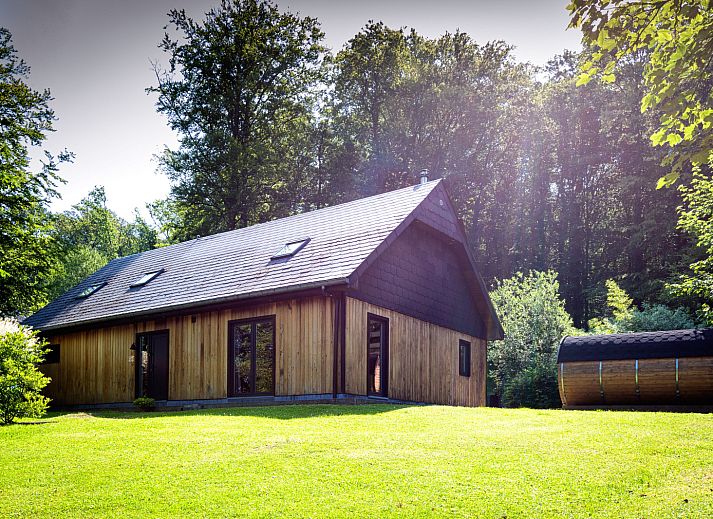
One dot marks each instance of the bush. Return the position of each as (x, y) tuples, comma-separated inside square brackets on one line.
[(625, 317), (145, 403), (534, 387), (534, 319), (653, 318), (21, 383)]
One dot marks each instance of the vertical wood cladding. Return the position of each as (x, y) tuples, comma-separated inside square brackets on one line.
[(422, 274), (423, 359), (97, 366)]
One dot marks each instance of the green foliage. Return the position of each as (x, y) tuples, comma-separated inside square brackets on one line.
[(240, 92), (145, 403), (696, 218), (534, 387), (90, 235), (625, 317), (25, 243), (618, 301), (676, 35), (657, 317), (534, 319), (21, 382)]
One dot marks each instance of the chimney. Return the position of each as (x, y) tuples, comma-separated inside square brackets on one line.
[(424, 176)]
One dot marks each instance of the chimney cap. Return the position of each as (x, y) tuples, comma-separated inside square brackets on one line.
[(424, 176)]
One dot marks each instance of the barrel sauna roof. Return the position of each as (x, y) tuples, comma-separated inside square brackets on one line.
[(641, 345)]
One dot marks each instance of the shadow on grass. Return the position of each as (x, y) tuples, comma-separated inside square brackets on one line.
[(275, 412), (41, 422)]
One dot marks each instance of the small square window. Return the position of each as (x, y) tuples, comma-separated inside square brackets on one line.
[(145, 278), (290, 249), (463, 358), (89, 290), (52, 354)]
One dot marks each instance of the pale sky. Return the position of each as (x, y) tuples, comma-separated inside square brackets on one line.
[(95, 57)]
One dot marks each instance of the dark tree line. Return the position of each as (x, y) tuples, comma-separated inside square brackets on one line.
[(545, 174)]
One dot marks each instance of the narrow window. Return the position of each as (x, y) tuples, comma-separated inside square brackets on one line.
[(145, 278), (290, 249), (52, 355), (464, 358), (89, 290)]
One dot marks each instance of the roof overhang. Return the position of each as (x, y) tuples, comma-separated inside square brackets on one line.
[(241, 300)]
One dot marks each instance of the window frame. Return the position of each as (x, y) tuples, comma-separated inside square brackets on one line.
[(52, 355), (149, 276), (90, 290), (280, 255), (252, 322), (464, 358)]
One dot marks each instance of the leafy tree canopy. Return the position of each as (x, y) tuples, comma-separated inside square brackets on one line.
[(25, 243), (696, 218), (90, 235), (239, 91), (677, 36)]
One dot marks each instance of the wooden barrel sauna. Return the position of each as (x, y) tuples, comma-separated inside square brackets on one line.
[(647, 368)]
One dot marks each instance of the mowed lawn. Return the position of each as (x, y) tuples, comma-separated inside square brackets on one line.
[(359, 461)]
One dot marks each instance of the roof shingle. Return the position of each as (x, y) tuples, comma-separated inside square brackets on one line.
[(237, 264)]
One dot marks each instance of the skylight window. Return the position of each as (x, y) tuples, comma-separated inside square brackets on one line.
[(290, 249), (89, 290), (145, 278)]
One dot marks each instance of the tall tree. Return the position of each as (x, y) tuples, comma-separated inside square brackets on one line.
[(90, 235), (239, 92), (678, 35), (25, 244)]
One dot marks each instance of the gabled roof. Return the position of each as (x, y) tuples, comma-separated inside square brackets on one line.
[(641, 345), (238, 265)]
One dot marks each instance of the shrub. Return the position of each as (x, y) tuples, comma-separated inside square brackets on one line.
[(535, 386), (534, 319), (652, 318), (625, 317), (21, 383), (145, 403)]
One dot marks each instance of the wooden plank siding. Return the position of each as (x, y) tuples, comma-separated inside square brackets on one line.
[(423, 359), (97, 366), (579, 382)]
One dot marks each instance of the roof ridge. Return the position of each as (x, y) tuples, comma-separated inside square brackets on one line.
[(431, 183)]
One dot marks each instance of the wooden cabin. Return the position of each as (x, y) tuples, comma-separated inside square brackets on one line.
[(630, 369), (377, 298)]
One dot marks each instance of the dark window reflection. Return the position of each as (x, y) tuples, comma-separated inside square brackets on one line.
[(253, 352)]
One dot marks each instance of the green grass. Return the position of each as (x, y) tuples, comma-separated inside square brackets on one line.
[(360, 461)]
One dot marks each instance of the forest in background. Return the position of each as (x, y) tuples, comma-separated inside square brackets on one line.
[(546, 174)]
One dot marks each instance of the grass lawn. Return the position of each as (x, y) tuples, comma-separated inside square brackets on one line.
[(361, 461)]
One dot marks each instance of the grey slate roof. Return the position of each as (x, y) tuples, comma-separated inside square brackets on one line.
[(236, 264), (641, 345)]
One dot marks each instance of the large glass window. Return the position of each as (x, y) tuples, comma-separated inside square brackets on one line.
[(251, 357)]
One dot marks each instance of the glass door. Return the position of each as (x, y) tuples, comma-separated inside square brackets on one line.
[(151, 350), (251, 357), (377, 356)]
